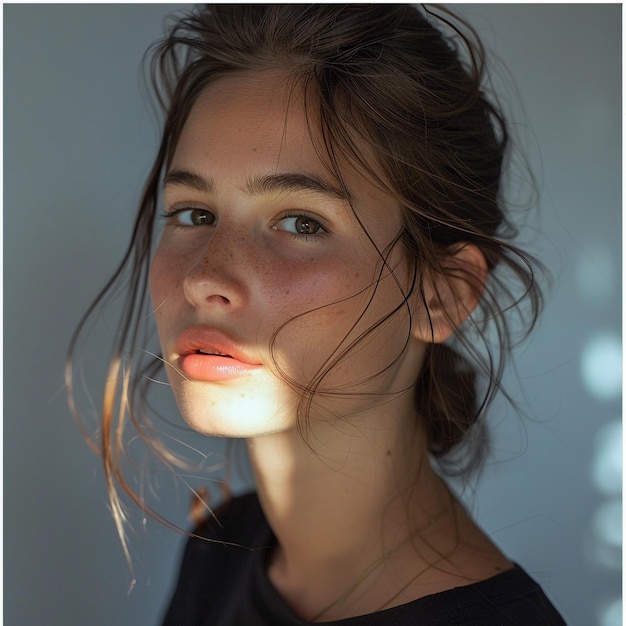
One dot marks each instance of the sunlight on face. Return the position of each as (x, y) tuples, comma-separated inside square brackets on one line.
[(264, 277)]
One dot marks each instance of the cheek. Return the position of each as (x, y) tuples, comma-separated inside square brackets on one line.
[(158, 277), (319, 314), (166, 271), (317, 290)]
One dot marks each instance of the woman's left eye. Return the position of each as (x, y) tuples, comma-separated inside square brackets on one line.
[(300, 225)]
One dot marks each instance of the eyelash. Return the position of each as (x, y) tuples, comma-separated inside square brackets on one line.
[(322, 231), (173, 213)]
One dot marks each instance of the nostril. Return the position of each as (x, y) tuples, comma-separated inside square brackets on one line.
[(217, 299)]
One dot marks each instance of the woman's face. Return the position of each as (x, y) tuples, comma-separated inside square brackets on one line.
[(261, 248)]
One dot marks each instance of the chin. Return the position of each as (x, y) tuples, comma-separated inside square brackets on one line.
[(234, 412)]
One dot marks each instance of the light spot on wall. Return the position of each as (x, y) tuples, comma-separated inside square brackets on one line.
[(606, 469), (606, 527), (611, 613), (607, 522), (601, 366)]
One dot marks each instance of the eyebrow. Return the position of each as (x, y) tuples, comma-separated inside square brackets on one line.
[(183, 178), (269, 183)]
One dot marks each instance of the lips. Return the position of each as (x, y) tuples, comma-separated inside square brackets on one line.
[(207, 354)]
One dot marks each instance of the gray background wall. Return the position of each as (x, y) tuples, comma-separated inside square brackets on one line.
[(78, 140)]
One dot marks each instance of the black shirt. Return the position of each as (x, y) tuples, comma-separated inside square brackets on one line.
[(222, 583)]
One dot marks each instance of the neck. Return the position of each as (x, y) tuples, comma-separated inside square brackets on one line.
[(342, 505)]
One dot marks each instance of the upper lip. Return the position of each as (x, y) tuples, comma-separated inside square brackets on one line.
[(206, 339)]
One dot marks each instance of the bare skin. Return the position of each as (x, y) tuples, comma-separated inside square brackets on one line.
[(340, 530)]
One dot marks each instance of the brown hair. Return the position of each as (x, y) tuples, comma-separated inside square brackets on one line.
[(387, 76)]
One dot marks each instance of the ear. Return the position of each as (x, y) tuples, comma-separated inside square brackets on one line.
[(451, 294)]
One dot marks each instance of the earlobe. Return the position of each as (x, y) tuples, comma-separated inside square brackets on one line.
[(452, 294)]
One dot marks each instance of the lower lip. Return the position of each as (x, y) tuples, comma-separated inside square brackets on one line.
[(210, 367)]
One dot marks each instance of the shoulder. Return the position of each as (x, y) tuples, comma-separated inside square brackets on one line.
[(239, 519), (217, 558), (510, 598), (228, 534)]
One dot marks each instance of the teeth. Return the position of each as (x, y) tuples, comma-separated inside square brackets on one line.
[(212, 353)]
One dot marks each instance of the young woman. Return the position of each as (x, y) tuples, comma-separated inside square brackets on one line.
[(330, 284)]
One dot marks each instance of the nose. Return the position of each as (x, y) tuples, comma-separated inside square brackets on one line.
[(217, 276)]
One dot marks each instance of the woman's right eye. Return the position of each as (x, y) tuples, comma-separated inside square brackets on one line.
[(191, 217)]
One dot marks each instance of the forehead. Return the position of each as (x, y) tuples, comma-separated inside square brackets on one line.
[(248, 113), (253, 124)]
